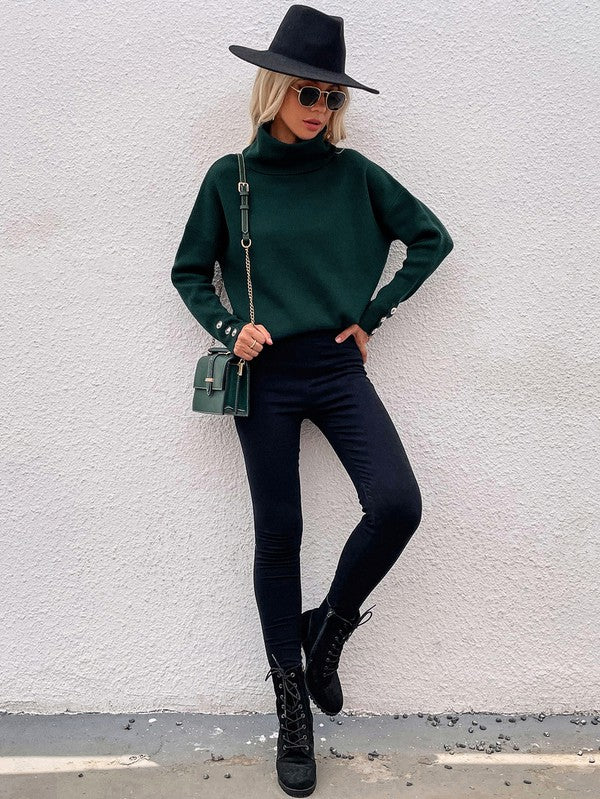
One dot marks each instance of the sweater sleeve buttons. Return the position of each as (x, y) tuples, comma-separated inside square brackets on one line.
[(219, 324), (227, 329), (234, 331), (393, 310)]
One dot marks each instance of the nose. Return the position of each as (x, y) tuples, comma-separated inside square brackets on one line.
[(321, 103)]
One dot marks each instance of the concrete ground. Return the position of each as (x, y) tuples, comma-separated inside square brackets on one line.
[(186, 756)]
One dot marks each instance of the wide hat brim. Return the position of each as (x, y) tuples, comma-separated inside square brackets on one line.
[(290, 66)]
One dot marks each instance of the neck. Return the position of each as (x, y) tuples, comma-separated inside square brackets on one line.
[(268, 154)]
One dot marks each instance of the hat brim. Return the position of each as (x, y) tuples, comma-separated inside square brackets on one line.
[(290, 66)]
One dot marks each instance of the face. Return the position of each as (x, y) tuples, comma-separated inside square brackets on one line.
[(290, 121)]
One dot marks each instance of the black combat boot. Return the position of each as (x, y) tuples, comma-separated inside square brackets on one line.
[(295, 764), (322, 643)]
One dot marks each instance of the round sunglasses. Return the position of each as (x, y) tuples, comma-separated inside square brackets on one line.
[(309, 95)]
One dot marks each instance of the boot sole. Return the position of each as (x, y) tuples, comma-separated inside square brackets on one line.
[(297, 791)]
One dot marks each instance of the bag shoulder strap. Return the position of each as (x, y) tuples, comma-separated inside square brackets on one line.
[(244, 190)]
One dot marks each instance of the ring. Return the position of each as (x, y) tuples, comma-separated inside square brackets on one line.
[(253, 343)]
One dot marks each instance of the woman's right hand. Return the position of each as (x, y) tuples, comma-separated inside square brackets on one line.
[(246, 336)]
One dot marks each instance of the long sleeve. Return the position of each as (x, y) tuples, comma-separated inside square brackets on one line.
[(402, 216), (193, 271)]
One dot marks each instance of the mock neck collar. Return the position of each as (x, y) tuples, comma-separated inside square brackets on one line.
[(272, 156)]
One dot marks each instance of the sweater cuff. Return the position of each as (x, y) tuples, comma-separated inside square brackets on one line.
[(373, 316), (226, 329)]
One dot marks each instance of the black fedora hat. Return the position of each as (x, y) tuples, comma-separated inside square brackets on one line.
[(308, 44)]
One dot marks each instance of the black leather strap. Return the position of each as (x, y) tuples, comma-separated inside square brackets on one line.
[(244, 190)]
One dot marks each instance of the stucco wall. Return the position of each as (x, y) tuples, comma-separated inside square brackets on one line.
[(127, 538)]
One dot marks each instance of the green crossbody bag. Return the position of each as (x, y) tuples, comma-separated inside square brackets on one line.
[(221, 379)]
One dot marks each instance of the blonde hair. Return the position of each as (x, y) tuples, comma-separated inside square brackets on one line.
[(267, 97)]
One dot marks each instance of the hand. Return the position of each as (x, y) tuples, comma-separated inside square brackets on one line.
[(360, 336), (248, 334)]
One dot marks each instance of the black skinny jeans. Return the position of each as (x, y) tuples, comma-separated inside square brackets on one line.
[(309, 375)]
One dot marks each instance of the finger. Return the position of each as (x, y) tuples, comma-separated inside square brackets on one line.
[(265, 333)]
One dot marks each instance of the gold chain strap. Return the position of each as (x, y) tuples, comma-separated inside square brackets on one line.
[(246, 248)]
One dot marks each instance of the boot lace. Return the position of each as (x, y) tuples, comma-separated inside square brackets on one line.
[(293, 719), (344, 632)]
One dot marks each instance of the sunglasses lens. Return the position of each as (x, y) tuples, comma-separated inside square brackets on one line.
[(308, 96), (335, 100)]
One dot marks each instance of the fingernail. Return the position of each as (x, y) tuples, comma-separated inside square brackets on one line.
[(338, 338)]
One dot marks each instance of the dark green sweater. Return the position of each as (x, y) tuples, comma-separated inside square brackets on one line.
[(321, 220)]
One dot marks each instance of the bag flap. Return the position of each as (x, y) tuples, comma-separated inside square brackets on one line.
[(219, 365)]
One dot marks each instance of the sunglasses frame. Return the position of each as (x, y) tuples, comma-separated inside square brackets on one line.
[(321, 91)]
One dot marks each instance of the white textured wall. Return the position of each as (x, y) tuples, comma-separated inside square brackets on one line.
[(127, 543)]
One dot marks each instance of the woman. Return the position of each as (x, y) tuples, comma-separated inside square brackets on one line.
[(322, 219)]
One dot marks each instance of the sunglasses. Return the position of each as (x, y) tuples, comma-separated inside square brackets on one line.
[(309, 95)]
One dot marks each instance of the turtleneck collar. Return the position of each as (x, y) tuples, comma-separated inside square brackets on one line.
[(273, 156)]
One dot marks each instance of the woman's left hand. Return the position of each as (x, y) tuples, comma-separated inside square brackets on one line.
[(360, 336)]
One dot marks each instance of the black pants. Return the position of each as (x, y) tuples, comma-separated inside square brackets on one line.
[(310, 375)]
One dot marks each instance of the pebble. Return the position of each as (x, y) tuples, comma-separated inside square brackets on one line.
[(527, 782), (546, 734), (447, 765), (227, 775), (205, 776)]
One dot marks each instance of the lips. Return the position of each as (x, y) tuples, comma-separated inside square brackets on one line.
[(314, 121)]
